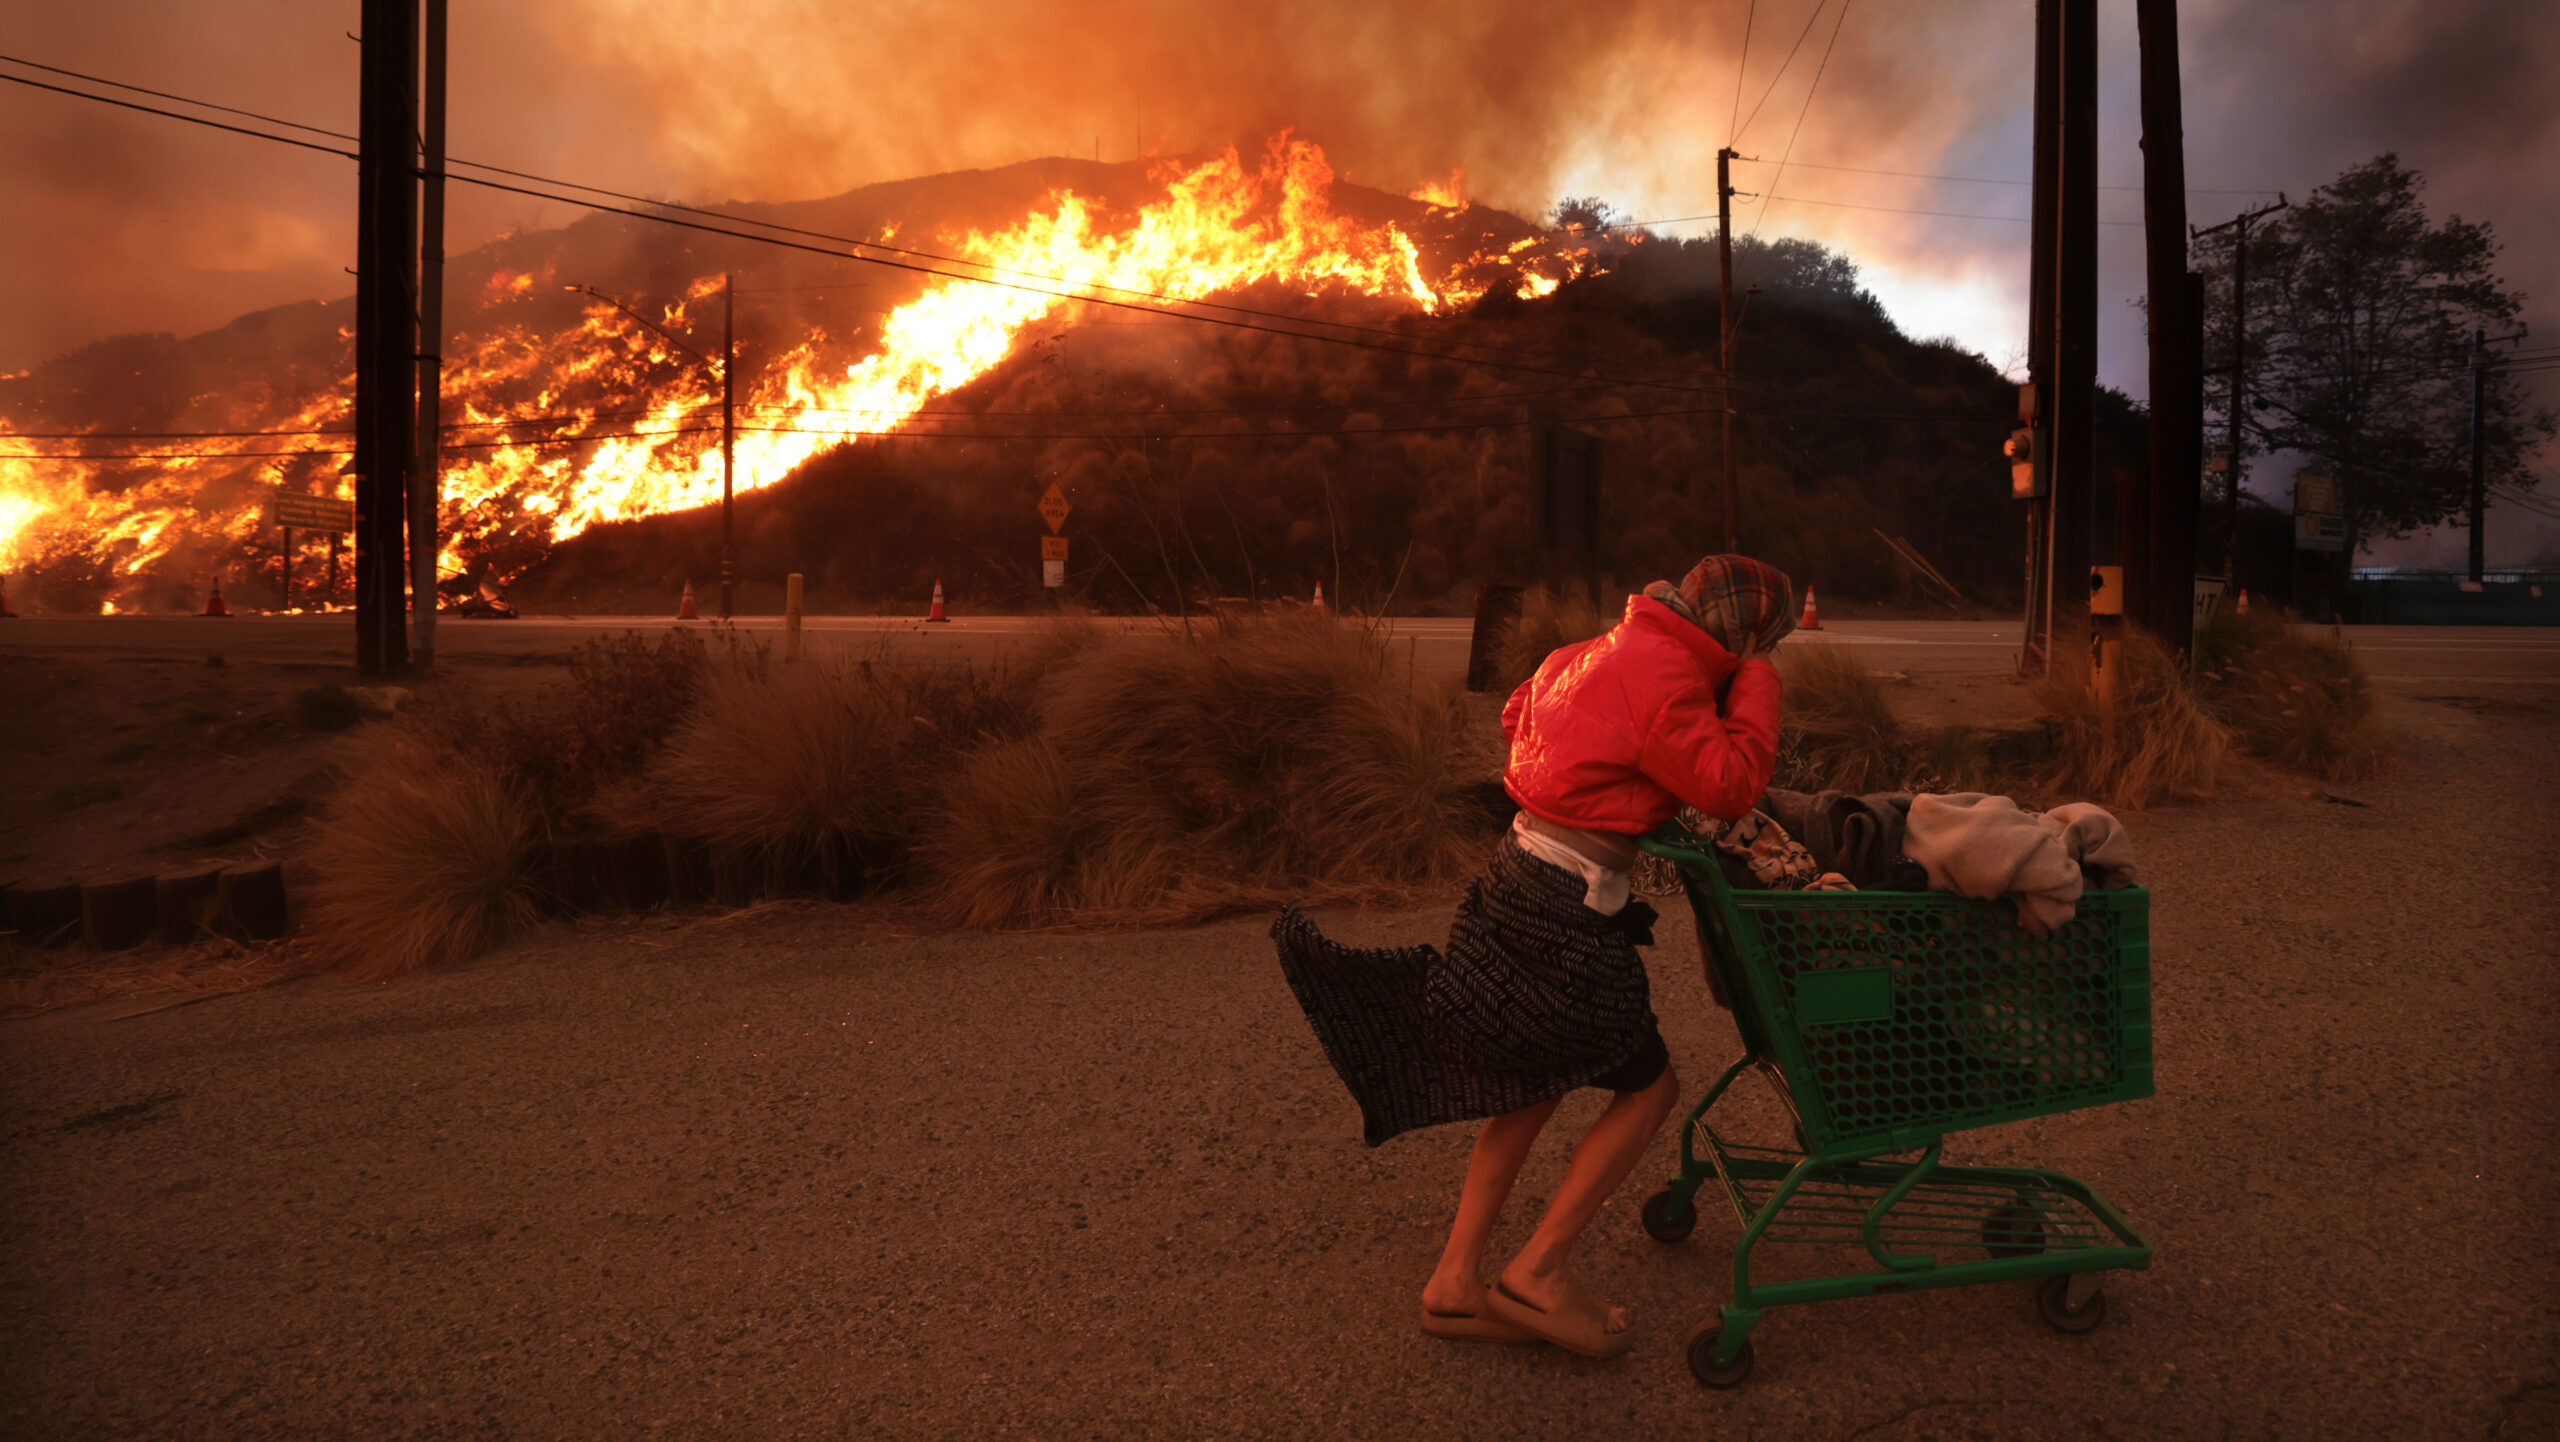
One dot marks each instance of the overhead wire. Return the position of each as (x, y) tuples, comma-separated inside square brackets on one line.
[(1929, 417), (1742, 68), (1807, 109), (1166, 300), (1782, 71)]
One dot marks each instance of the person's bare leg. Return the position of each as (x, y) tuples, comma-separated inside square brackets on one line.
[(1456, 1288), (1601, 1161)]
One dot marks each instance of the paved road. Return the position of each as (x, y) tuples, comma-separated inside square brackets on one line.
[(794, 1174), (2416, 656)]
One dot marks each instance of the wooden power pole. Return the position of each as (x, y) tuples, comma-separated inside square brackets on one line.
[(423, 484), (2075, 302), (2238, 373), (2037, 411), (728, 441), (1724, 339), (386, 329), (2156, 532)]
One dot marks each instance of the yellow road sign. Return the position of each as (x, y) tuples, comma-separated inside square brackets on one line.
[(1053, 507), (1053, 548)]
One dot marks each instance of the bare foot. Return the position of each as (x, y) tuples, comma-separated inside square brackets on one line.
[(1548, 1292), (1453, 1294)]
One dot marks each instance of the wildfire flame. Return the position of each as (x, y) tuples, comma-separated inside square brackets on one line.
[(631, 422)]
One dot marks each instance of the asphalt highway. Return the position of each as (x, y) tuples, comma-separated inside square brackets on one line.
[(2399, 656)]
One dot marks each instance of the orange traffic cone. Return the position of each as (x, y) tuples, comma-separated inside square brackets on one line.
[(1812, 614), (684, 608), (214, 606), (1318, 604), (935, 612), (2243, 608)]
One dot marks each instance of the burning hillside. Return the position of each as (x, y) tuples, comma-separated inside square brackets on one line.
[(562, 412)]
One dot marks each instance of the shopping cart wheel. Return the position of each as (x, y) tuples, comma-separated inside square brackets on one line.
[(2053, 1303), (1702, 1358), (2013, 1232), (1661, 1224)]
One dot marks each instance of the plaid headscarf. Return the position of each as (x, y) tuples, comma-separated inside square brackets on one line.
[(1747, 605)]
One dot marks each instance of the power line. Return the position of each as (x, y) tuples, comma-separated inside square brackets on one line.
[(896, 413), (1782, 69), (311, 451), (1986, 180), (1741, 69), (1948, 214), (670, 220), (181, 99), (1160, 296), (1802, 112), (1986, 417), (173, 115)]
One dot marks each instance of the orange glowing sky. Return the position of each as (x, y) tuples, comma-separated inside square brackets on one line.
[(147, 225)]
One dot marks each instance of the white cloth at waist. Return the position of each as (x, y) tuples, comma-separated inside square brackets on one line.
[(1604, 888)]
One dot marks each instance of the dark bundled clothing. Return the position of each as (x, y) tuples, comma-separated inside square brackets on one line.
[(1859, 837), (1536, 995)]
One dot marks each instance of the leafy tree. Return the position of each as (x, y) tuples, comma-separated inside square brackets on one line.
[(2360, 318), (1584, 214)]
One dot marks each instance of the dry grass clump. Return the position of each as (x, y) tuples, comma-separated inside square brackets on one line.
[(815, 758), (1838, 730), (1176, 776), (1547, 621), (2159, 743), (419, 861), (626, 695), (2290, 698)]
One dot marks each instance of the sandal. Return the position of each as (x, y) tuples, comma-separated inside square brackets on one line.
[(1580, 1324), (1482, 1326)]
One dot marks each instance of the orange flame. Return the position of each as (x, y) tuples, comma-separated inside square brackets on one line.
[(631, 421)]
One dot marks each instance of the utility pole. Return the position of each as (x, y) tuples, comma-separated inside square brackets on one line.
[(2075, 303), (2037, 413), (424, 484), (2156, 540), (2239, 371), (1724, 336), (386, 328), (728, 439), (2479, 449)]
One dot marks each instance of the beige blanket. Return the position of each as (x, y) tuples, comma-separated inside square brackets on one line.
[(1984, 846)]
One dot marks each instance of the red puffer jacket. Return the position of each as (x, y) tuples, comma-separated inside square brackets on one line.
[(1614, 734)]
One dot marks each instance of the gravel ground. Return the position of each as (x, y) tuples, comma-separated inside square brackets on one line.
[(792, 1174)]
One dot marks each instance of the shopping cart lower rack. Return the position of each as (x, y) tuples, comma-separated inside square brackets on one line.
[(1885, 1020)]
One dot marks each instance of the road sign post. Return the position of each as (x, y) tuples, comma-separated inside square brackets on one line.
[(1053, 546), (289, 511)]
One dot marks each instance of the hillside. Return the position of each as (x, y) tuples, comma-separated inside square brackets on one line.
[(1205, 462), (1202, 459)]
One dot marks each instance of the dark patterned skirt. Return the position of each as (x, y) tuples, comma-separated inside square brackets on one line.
[(1537, 995)]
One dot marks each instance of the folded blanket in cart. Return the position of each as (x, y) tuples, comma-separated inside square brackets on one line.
[(1759, 855), (1984, 846)]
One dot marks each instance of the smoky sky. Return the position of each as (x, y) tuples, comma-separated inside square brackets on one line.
[(121, 222)]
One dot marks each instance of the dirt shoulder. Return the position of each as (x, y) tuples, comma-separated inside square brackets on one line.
[(803, 1171)]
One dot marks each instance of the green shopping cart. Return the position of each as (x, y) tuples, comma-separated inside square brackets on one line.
[(1885, 1020)]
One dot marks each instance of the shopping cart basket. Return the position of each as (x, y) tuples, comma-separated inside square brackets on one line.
[(1885, 1020)]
